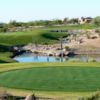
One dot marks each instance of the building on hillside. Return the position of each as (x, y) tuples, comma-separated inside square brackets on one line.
[(84, 20)]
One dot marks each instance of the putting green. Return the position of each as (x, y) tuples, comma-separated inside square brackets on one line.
[(65, 79)]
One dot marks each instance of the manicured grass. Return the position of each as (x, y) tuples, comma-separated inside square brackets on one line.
[(40, 36), (36, 36), (58, 78), (10, 80)]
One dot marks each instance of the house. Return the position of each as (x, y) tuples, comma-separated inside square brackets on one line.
[(84, 20)]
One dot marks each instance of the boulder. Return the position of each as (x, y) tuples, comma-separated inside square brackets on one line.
[(30, 97)]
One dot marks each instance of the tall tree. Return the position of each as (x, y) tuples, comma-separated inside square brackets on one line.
[(65, 20)]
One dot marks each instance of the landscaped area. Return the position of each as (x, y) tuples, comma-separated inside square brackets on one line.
[(50, 79), (67, 78), (44, 36), (55, 79), (49, 50)]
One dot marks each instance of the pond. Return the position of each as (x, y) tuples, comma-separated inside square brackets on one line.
[(36, 58), (28, 57)]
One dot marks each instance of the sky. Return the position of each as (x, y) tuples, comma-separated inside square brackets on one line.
[(30, 10)]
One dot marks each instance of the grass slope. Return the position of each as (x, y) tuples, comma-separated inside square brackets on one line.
[(36, 36), (40, 36), (5, 57)]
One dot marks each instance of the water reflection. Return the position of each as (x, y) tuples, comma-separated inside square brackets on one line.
[(84, 58), (37, 58)]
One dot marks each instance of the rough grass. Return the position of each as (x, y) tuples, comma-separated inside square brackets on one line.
[(48, 94), (5, 54), (5, 57), (85, 26), (15, 66)]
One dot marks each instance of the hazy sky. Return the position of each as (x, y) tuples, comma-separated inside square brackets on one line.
[(27, 10)]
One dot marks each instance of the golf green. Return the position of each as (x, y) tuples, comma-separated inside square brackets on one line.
[(67, 79)]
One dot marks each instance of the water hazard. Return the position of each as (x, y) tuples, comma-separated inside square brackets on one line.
[(28, 57)]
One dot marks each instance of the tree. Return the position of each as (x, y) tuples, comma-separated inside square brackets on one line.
[(74, 21), (65, 20), (58, 22), (3, 27), (12, 23), (48, 23), (96, 20)]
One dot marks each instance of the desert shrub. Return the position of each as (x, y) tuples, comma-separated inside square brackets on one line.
[(67, 48)]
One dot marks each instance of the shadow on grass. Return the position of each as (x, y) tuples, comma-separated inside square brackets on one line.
[(2, 61), (49, 36), (4, 48)]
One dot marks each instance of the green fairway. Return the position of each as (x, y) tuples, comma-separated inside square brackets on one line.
[(36, 36), (65, 79), (40, 36)]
